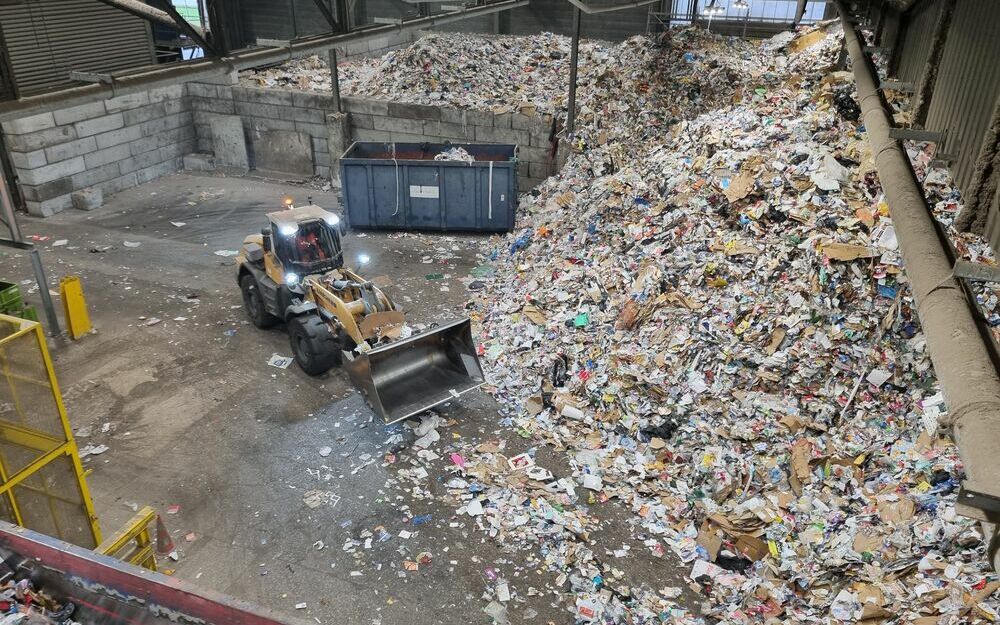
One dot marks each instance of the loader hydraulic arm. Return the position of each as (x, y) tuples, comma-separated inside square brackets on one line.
[(345, 312)]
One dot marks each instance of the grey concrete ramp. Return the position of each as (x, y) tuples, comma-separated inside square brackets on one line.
[(284, 152), (229, 143)]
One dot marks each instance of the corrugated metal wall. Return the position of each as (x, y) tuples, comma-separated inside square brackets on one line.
[(365, 11), (556, 16), (968, 84), (7, 89), (46, 39), (917, 43), (275, 19), (282, 19)]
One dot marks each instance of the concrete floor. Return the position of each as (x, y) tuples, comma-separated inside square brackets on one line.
[(198, 419)]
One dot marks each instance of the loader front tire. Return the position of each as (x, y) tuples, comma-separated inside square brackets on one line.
[(315, 347), (254, 303)]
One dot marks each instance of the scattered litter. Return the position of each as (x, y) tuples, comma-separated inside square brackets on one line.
[(93, 450), (131, 243), (281, 362), (520, 461), (316, 498)]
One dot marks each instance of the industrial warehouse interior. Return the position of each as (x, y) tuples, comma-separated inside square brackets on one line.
[(392, 312)]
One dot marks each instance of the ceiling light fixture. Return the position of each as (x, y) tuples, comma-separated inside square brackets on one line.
[(713, 8), (740, 4)]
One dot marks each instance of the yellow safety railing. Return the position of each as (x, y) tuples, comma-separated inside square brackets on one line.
[(136, 536), (42, 484)]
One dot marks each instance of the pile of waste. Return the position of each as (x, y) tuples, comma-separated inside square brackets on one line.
[(525, 73), (22, 602), (706, 313), (455, 154)]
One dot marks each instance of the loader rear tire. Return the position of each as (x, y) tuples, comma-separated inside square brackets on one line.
[(316, 348), (254, 303)]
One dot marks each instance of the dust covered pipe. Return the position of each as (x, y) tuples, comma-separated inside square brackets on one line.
[(961, 356), (147, 12)]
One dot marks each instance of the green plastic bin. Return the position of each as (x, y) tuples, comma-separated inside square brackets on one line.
[(28, 312), (10, 297)]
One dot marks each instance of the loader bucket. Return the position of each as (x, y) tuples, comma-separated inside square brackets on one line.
[(406, 377)]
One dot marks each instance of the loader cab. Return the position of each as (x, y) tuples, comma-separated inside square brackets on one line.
[(304, 241)]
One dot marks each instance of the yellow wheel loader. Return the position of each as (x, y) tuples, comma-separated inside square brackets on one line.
[(294, 272)]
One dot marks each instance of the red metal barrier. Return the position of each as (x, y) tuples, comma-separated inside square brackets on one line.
[(114, 592)]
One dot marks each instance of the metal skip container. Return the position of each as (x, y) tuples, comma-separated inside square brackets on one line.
[(401, 186), (406, 377)]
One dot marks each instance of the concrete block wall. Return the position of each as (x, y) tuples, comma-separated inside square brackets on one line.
[(111, 145), (380, 120), (263, 110), (377, 46)]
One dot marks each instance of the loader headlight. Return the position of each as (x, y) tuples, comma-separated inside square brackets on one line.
[(364, 259), (333, 220), (291, 279), (288, 230)]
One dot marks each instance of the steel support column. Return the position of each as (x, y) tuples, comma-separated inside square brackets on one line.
[(327, 15), (189, 29), (43, 291), (335, 81), (10, 218)]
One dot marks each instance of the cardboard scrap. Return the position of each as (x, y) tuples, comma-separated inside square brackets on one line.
[(978, 597), (847, 251), (679, 300), (751, 547), (628, 317), (535, 405), (716, 527), (709, 539), (793, 423), (893, 512), (740, 187), (535, 315), (777, 336), (867, 542), (801, 452), (807, 40), (735, 247)]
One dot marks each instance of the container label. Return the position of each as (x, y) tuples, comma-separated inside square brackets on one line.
[(421, 191)]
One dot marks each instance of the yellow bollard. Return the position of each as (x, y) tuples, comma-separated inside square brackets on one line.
[(74, 306)]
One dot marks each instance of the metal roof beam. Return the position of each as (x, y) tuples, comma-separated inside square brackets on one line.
[(608, 8), (196, 34), (327, 14)]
